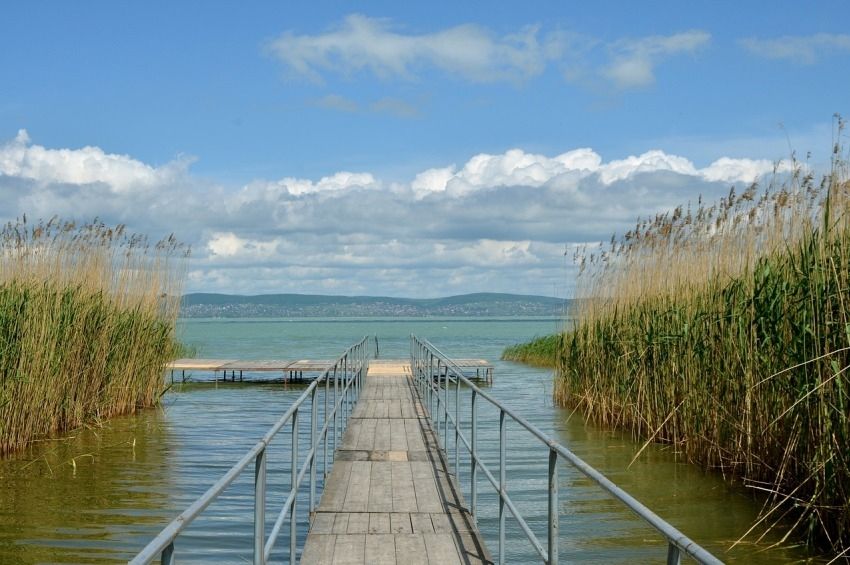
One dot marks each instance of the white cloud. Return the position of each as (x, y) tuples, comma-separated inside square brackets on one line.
[(337, 102), (474, 53), (804, 49), (495, 222), (20, 158), (634, 60), (363, 43), (517, 168)]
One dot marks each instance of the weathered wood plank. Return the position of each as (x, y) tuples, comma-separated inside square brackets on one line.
[(319, 549), (410, 549), (388, 494), (350, 549), (441, 549), (380, 549)]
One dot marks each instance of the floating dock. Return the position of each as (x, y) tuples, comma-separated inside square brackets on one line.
[(390, 497), (294, 371)]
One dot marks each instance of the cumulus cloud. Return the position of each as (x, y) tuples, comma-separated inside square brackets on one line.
[(517, 168), (20, 158), (362, 43), (803, 49), (494, 222), (634, 60)]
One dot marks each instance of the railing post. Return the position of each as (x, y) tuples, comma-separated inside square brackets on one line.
[(502, 484), (437, 396), (673, 557), (446, 410), (325, 421), (553, 507), (336, 395), (457, 429), (293, 521), (260, 508), (314, 447), (473, 463), (167, 556)]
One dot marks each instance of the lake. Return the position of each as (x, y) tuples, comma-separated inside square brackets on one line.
[(99, 494)]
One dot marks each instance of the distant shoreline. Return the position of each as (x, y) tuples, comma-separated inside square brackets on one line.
[(301, 306)]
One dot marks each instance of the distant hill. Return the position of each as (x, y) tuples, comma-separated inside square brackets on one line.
[(207, 305)]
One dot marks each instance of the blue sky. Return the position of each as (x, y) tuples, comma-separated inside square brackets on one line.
[(241, 109)]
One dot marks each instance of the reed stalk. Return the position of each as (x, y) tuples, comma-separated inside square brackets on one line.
[(724, 330), (87, 315)]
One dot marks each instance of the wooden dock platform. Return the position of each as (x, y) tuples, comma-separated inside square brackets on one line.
[(293, 370), (389, 497)]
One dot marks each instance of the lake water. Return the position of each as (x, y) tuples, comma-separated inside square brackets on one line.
[(100, 494)]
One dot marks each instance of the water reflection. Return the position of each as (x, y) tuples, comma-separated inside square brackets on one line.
[(76, 500)]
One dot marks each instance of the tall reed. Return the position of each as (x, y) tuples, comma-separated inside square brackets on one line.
[(725, 330), (87, 317)]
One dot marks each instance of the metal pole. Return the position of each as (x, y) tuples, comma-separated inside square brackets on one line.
[(553, 507), (167, 557), (673, 557), (314, 414), (502, 484), (437, 394), (324, 421), (293, 523), (260, 508), (446, 411), (457, 429), (336, 393), (473, 464)]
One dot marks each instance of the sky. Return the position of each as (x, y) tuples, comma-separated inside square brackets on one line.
[(404, 149)]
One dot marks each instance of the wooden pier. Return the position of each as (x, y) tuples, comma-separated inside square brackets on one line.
[(475, 369), (390, 497)]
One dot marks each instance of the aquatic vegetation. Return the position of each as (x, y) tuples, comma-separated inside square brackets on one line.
[(724, 330), (87, 317), (540, 351)]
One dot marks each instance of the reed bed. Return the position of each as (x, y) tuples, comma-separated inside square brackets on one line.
[(87, 316), (540, 351), (724, 331)]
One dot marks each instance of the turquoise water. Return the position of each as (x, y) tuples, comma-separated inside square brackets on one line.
[(98, 495)]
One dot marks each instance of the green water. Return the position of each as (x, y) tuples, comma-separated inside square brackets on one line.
[(98, 495)]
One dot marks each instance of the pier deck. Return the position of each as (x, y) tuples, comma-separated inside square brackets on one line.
[(389, 497), (477, 369)]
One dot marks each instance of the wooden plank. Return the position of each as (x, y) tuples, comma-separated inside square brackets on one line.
[(380, 488), (441, 549), (357, 495), (404, 497), (388, 509), (383, 435), (421, 523), (340, 523), (350, 549), (400, 523), (410, 549), (336, 487), (379, 523), (318, 550), (322, 523), (366, 439), (358, 523), (380, 549), (427, 497)]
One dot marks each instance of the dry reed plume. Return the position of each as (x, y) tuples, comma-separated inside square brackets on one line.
[(725, 331), (87, 317)]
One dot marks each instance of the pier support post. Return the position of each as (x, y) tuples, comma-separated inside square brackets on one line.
[(260, 508)]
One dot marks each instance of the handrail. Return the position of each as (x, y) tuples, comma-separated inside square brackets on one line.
[(347, 374), (434, 372)]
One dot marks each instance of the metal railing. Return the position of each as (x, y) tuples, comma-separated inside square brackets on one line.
[(434, 374), (344, 379)]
